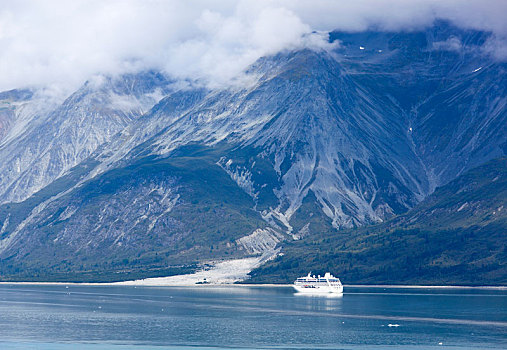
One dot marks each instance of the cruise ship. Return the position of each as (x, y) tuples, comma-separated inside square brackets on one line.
[(312, 284)]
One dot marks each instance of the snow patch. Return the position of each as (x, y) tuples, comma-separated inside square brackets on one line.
[(67, 213), (305, 231), (260, 241), (274, 217), (241, 175), (5, 224), (463, 206), (223, 272), (4, 243), (451, 44)]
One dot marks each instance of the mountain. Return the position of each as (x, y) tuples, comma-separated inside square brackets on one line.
[(145, 216), (137, 176), (44, 138), (456, 236)]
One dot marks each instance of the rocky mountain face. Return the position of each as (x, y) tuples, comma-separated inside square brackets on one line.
[(136, 176), (455, 236), (43, 139)]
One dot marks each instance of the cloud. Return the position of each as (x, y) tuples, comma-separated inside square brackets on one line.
[(226, 45), (63, 43), (451, 44)]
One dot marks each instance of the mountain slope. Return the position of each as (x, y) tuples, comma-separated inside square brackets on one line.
[(456, 236), (318, 141), (452, 94), (46, 139), (152, 216), (308, 125)]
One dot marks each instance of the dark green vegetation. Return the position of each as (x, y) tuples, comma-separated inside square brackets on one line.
[(80, 237), (456, 236)]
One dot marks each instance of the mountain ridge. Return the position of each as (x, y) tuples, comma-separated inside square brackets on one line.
[(457, 236), (319, 141)]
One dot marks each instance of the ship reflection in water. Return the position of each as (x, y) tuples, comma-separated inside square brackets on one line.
[(53, 317)]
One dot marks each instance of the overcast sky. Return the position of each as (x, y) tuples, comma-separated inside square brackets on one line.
[(63, 43)]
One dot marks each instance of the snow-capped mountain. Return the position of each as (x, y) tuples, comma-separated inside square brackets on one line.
[(135, 173)]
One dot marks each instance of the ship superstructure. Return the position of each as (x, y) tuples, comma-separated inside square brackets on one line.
[(318, 284)]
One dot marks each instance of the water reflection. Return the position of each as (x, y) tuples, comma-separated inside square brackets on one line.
[(320, 295), (250, 317), (320, 301)]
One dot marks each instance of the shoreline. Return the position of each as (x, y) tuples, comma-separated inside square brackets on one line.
[(239, 285)]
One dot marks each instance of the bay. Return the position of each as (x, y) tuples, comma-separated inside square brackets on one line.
[(95, 317)]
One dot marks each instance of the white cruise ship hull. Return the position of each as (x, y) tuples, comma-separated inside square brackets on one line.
[(319, 289)]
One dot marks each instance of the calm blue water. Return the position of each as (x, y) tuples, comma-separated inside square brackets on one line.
[(124, 317)]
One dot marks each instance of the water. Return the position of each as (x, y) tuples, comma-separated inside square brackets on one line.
[(123, 317)]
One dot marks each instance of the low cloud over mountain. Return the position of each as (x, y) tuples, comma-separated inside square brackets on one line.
[(60, 44)]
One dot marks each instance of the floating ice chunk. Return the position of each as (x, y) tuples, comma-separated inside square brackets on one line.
[(476, 70), (393, 325)]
